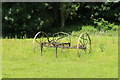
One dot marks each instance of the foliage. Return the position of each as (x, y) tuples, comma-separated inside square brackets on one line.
[(115, 27), (104, 25), (24, 18), (89, 29), (69, 8)]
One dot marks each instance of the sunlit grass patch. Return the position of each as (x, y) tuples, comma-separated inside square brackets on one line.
[(19, 60)]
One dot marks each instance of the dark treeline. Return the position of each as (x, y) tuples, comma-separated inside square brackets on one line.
[(27, 18)]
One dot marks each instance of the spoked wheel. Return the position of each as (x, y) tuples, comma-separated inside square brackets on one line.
[(38, 41), (84, 42)]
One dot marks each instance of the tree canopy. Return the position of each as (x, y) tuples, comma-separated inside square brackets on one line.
[(26, 18)]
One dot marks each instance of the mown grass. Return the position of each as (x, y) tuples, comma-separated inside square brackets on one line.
[(19, 60)]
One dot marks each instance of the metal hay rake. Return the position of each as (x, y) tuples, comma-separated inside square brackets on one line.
[(62, 40)]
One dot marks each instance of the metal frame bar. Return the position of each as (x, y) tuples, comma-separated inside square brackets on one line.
[(58, 45)]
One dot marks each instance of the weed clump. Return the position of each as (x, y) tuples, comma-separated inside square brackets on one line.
[(102, 48)]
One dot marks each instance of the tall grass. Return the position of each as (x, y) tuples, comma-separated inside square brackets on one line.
[(19, 60)]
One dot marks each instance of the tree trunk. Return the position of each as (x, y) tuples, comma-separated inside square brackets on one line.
[(62, 18)]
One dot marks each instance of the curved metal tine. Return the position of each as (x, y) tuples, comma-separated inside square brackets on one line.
[(59, 38), (83, 36), (68, 39), (56, 36), (49, 34), (51, 40), (35, 37), (59, 34), (44, 37)]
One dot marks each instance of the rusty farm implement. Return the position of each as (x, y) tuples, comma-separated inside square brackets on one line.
[(62, 40)]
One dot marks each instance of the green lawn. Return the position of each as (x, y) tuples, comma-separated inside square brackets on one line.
[(19, 60)]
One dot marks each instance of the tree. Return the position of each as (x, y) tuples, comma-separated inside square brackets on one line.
[(68, 9), (24, 18)]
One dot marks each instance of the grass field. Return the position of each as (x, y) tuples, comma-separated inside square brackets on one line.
[(19, 60)]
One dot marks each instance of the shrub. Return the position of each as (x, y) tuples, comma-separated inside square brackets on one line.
[(88, 29), (115, 28), (104, 25)]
